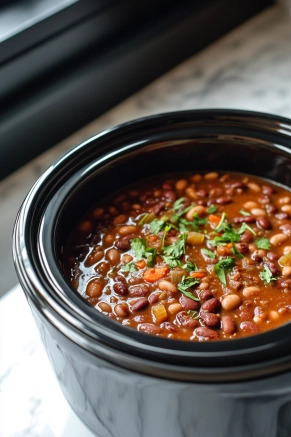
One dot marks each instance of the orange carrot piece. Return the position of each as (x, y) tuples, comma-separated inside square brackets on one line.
[(141, 264), (214, 218), (198, 275), (154, 274), (229, 245)]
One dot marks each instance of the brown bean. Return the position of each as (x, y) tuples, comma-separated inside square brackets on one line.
[(105, 307), (205, 295), (244, 219), (121, 218), (139, 304), (127, 230), (139, 290), (120, 288), (156, 209), (122, 244), (246, 236), (211, 305), (121, 310), (183, 319), (113, 256), (170, 196), (149, 328), (181, 184), (263, 223), (206, 334), (223, 200), (189, 304), (94, 288), (249, 327), (228, 325), (209, 319), (95, 256)]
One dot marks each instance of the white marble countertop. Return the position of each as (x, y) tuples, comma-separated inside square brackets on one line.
[(250, 68)]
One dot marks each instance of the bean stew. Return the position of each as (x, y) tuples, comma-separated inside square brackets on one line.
[(197, 257)]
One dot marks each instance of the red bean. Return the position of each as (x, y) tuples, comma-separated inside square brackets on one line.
[(154, 298), (223, 200), (189, 304), (235, 184), (156, 209), (139, 290), (242, 247), (206, 333), (167, 186), (183, 319), (266, 189), (244, 219), (170, 196), (169, 326), (272, 256), (286, 229), (249, 327), (212, 305), (201, 193), (139, 304), (209, 319), (263, 223), (271, 209), (228, 325), (274, 269), (120, 288), (246, 236), (282, 216), (205, 295), (149, 328), (122, 244)]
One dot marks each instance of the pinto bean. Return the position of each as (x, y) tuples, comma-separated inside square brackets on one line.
[(104, 307), (121, 310), (211, 305), (282, 216), (167, 286), (286, 229), (94, 288), (258, 212), (204, 333), (209, 319), (212, 176), (113, 256), (189, 304), (149, 328), (278, 239), (174, 308), (249, 292), (228, 325), (231, 302), (254, 187)]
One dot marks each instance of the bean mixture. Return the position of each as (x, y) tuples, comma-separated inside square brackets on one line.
[(201, 257)]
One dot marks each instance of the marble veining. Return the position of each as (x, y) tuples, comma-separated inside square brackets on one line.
[(250, 68)]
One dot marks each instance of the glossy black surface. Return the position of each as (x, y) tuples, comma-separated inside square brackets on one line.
[(122, 382)]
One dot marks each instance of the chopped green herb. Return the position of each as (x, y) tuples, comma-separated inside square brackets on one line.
[(208, 253), (176, 217), (243, 227), (176, 249), (190, 266), (129, 267), (139, 247), (236, 251), (178, 204), (223, 216), (157, 225), (193, 314), (172, 261), (245, 213), (211, 209), (222, 267), (263, 243), (267, 276), (143, 219), (151, 254), (188, 282)]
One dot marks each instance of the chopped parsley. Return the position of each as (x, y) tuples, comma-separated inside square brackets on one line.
[(263, 243), (222, 267), (208, 253), (178, 204), (267, 276), (186, 283), (236, 251), (212, 209), (129, 267)]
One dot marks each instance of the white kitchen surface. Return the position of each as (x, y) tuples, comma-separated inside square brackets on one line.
[(250, 68)]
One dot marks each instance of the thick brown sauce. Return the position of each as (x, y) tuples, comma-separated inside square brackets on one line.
[(228, 237)]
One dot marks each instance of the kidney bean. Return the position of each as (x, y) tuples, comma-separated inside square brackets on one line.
[(282, 216), (139, 304), (209, 319), (263, 223), (167, 186), (211, 305), (189, 304), (246, 236), (169, 326), (223, 200), (205, 295), (244, 219), (258, 255), (272, 256), (149, 328), (156, 209), (284, 283), (228, 325), (154, 298), (266, 189), (271, 209), (202, 193), (183, 319), (139, 290), (121, 310), (249, 327), (204, 333), (170, 196), (127, 230), (286, 229), (264, 200), (274, 269), (120, 288), (215, 192), (242, 247), (122, 244), (235, 184)]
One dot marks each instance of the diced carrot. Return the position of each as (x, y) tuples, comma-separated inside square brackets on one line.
[(214, 218), (229, 245), (154, 274), (141, 264), (198, 275)]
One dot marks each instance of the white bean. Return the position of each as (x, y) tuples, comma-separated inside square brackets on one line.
[(278, 239), (250, 291), (231, 302)]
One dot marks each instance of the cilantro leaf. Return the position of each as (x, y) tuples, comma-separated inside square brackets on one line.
[(218, 227), (193, 314), (129, 267), (178, 204), (185, 284), (190, 266), (212, 209), (139, 247), (143, 219), (208, 253), (263, 243), (245, 213), (267, 276), (172, 261), (157, 225), (236, 251), (176, 217), (243, 227), (151, 254), (176, 249), (222, 267)]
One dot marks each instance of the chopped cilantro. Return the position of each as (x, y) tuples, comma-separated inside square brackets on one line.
[(193, 314), (263, 243), (267, 276), (129, 267), (142, 220), (157, 225), (172, 261), (190, 266), (243, 227), (139, 247), (223, 216), (245, 213), (236, 251), (151, 254), (176, 249), (178, 204), (208, 253), (176, 217), (186, 283), (212, 209), (222, 267)]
